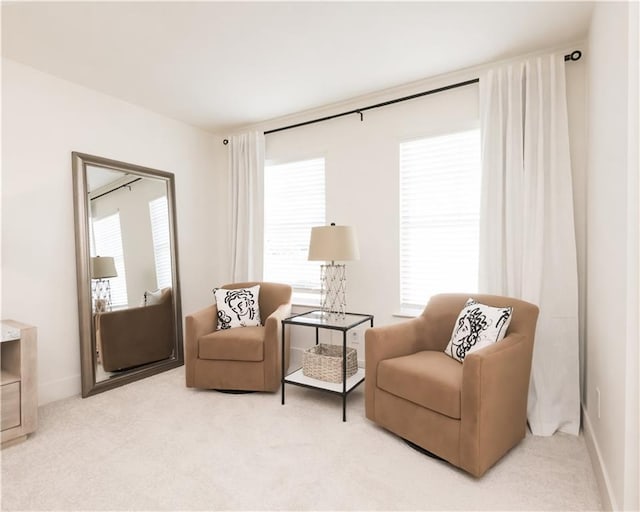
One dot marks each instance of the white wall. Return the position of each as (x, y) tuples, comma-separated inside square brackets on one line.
[(44, 119), (632, 384), (611, 426)]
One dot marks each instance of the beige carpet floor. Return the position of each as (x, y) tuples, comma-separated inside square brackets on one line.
[(156, 445)]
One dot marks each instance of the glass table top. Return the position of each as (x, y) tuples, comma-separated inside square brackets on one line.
[(321, 318)]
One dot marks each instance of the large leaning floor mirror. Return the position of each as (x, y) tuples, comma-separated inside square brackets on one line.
[(127, 270)]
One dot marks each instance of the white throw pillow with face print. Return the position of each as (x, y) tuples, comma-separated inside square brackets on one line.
[(477, 326), (238, 308)]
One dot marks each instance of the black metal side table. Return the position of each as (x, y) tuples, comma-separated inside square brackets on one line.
[(335, 322)]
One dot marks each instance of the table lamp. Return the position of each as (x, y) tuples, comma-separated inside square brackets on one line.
[(333, 243), (102, 269)]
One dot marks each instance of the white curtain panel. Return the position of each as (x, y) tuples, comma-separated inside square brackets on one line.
[(527, 238), (246, 166)]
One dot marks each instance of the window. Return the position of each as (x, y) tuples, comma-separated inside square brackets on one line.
[(159, 215), (439, 216), (294, 202), (107, 239)]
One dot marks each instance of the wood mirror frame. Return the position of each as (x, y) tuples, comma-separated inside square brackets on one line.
[(88, 342)]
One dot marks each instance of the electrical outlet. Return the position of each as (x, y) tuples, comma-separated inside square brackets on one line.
[(355, 337), (598, 401)]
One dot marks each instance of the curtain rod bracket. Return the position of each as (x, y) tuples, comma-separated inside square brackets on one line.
[(574, 55)]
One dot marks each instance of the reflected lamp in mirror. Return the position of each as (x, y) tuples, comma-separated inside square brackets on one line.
[(102, 269), (333, 243)]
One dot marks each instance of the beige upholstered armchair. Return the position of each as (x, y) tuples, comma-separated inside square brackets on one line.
[(242, 358), (469, 414)]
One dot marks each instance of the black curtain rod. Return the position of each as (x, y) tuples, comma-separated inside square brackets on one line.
[(377, 105), (575, 55), (117, 188)]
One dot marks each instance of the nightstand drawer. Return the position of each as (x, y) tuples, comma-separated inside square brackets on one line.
[(10, 411)]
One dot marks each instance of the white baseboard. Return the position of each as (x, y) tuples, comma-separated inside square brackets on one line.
[(58, 389), (602, 477)]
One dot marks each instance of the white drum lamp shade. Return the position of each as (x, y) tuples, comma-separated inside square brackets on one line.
[(333, 243), (103, 267)]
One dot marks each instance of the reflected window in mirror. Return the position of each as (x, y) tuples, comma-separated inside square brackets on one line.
[(106, 242), (159, 215)]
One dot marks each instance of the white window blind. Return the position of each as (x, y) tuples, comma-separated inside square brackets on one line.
[(108, 242), (159, 215), (294, 202), (439, 216)]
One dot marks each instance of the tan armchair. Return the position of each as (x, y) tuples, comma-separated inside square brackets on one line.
[(243, 358), (469, 414)]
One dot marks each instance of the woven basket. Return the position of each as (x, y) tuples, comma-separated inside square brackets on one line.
[(324, 362)]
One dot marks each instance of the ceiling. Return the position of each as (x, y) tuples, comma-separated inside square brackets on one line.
[(222, 65)]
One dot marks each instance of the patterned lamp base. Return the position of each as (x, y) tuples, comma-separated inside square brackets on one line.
[(333, 293), (101, 291)]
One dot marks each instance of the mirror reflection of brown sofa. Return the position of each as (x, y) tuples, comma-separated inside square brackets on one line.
[(136, 336), (469, 414)]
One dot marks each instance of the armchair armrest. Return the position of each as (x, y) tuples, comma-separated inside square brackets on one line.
[(495, 385), (273, 322), (196, 325), (387, 342), (390, 341), (272, 346)]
